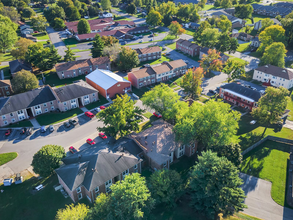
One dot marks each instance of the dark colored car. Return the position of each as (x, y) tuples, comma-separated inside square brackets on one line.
[(72, 150), (29, 131), (212, 92), (73, 122), (8, 132), (66, 124), (23, 131)]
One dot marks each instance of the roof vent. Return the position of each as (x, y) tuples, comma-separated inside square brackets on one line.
[(284, 71), (266, 66)]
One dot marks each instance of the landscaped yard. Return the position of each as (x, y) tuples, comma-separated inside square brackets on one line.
[(71, 42), (172, 46), (269, 162), (147, 115), (41, 36), (101, 101), (20, 124), (6, 157), (153, 62), (169, 37), (290, 107), (139, 92), (257, 18), (207, 7), (56, 117), (6, 57), (236, 58), (189, 31), (243, 47)]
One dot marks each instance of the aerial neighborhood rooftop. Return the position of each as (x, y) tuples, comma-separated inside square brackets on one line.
[(146, 110)]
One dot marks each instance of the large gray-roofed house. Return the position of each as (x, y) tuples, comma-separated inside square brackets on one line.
[(18, 65), (91, 171)]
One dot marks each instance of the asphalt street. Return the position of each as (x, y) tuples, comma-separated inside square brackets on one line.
[(253, 61), (56, 40), (259, 201), (213, 83)]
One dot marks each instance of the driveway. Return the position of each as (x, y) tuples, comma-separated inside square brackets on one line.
[(259, 200), (56, 40), (213, 83), (253, 62)]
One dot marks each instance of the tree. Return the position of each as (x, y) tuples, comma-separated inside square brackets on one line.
[(176, 29), (106, 4), (232, 152), (211, 62), (224, 24), (109, 40), (20, 48), (24, 81), (116, 2), (127, 59), (54, 12), (72, 13), (266, 23), (138, 3), (154, 18), (8, 36), (69, 56), (101, 209), (164, 100), (271, 106), (212, 124), (183, 12), (191, 82), (226, 43), (131, 198), (64, 4), (73, 212), (197, 37), (39, 23), (215, 186), (226, 4), (8, 22), (275, 55), (11, 13), (28, 12), (131, 9), (59, 24), (234, 69), (287, 23), (98, 46), (112, 51), (243, 11), (83, 27), (210, 37), (121, 118), (166, 187)]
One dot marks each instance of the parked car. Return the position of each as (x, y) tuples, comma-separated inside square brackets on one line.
[(97, 109), (8, 132), (151, 35), (43, 129), (140, 36), (66, 124), (157, 114), (102, 135), (51, 128), (23, 131), (29, 131), (72, 150), (73, 122), (89, 114), (140, 41), (253, 122), (151, 39), (90, 141), (102, 107), (212, 92)]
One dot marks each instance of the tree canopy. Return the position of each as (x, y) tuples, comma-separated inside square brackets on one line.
[(234, 69), (20, 48), (39, 23), (109, 40), (127, 59), (191, 82), (274, 54), (176, 28), (47, 159), (69, 55), (8, 36), (211, 62), (106, 4), (11, 13), (28, 12), (83, 27), (154, 18), (59, 23), (24, 81), (73, 212), (210, 37), (243, 11), (98, 46), (54, 12)]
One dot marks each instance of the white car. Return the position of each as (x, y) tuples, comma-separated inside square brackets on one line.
[(51, 128), (253, 122), (98, 109), (262, 91)]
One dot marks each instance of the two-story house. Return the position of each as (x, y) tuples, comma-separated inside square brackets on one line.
[(18, 65), (5, 88), (149, 53), (81, 67), (92, 171), (186, 46), (276, 76), (157, 73), (239, 95), (159, 145)]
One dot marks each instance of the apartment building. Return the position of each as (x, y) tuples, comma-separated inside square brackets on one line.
[(149, 53), (186, 46)]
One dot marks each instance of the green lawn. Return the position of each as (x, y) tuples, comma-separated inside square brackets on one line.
[(120, 18), (24, 123), (207, 7), (78, 50), (4, 57), (290, 107), (56, 117), (243, 47), (153, 62), (169, 37), (147, 124), (257, 18), (6, 157), (147, 115), (255, 54), (71, 42), (269, 162), (189, 31), (172, 46), (102, 101), (41, 36), (6, 71), (236, 58)]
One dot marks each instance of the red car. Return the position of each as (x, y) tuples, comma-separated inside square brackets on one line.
[(157, 114), (89, 114), (102, 135), (72, 150), (8, 132), (102, 107), (90, 141)]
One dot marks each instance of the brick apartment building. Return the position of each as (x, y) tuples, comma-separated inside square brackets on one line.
[(5, 88), (149, 53), (186, 46)]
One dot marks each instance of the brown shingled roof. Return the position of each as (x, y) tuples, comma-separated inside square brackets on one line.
[(144, 72), (188, 43), (148, 50), (5, 82)]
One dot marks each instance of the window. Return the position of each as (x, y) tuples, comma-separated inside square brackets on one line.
[(62, 74), (3, 117), (86, 97), (51, 103), (135, 166), (11, 114), (93, 94), (45, 104), (37, 107), (94, 99), (78, 190), (6, 87), (165, 164), (73, 101), (64, 103), (52, 107), (13, 120), (80, 196), (97, 189), (108, 184), (5, 122), (65, 108), (125, 173), (46, 110), (118, 85)]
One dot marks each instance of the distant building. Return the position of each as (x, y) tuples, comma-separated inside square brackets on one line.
[(242, 36), (272, 11), (5, 88), (186, 46), (205, 50), (255, 42), (149, 53), (18, 65), (236, 22), (257, 25)]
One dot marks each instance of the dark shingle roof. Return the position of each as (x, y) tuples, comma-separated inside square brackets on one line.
[(102, 165), (18, 65), (256, 6), (27, 99), (237, 88), (276, 71), (73, 91)]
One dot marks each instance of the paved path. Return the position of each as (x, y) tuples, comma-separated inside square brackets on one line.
[(35, 123), (253, 62), (56, 40), (260, 202), (84, 109), (289, 124), (5, 63), (213, 83)]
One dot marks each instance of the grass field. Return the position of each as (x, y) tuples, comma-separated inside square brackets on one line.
[(6, 157), (41, 36), (78, 50), (147, 115), (189, 32), (24, 123), (152, 62), (172, 46), (57, 117), (243, 47), (207, 7), (269, 162), (70, 42), (257, 18), (290, 107), (5, 57), (236, 58)]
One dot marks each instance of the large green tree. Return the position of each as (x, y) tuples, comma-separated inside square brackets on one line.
[(211, 124), (47, 159), (54, 12), (83, 27), (24, 81), (8, 36), (176, 29), (271, 106), (69, 55), (73, 212), (20, 48), (215, 186), (234, 69), (243, 11), (106, 4), (266, 23), (210, 37), (101, 209), (191, 82), (59, 24), (224, 24), (121, 117), (274, 54), (211, 62), (131, 9), (166, 187), (98, 46), (287, 23), (232, 152), (28, 12), (11, 13), (127, 59), (8, 21), (226, 43), (109, 40), (39, 23), (154, 18), (197, 37), (164, 100)]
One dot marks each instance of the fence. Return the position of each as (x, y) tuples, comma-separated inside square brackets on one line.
[(271, 138)]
